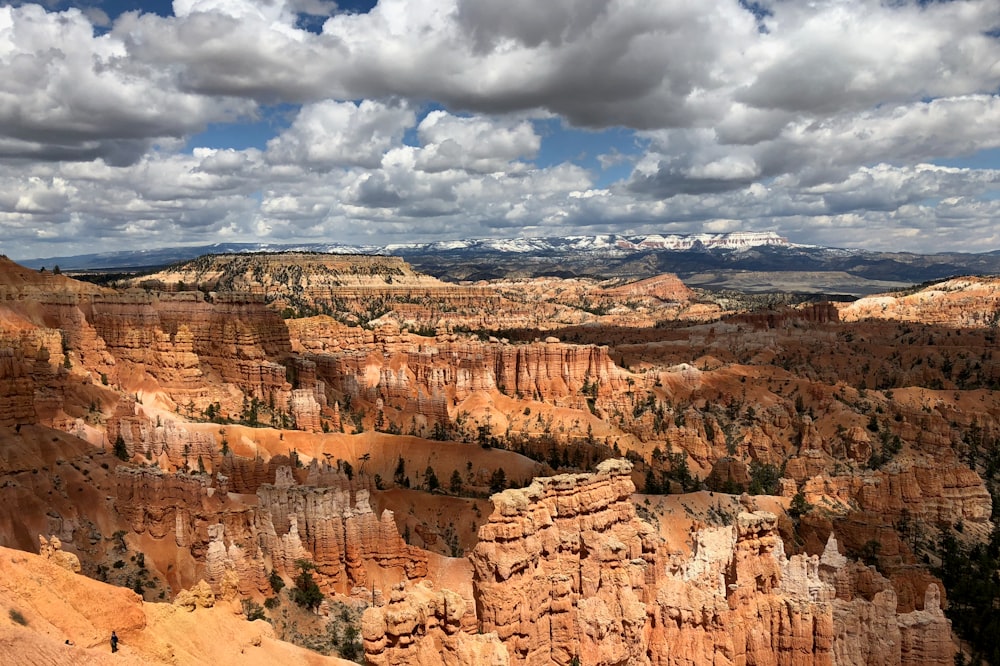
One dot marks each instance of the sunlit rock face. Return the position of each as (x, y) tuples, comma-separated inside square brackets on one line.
[(565, 572)]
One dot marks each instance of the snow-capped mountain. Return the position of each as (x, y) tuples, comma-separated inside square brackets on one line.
[(605, 245), (605, 255)]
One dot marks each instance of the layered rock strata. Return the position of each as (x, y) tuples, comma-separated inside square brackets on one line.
[(425, 377), (565, 572), (340, 536), (436, 618), (333, 526)]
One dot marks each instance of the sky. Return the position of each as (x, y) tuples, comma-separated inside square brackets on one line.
[(868, 124)]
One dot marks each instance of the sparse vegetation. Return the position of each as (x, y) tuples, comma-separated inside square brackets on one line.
[(252, 610), (306, 592), (120, 450), (763, 478)]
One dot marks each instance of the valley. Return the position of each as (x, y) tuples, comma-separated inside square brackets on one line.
[(527, 469)]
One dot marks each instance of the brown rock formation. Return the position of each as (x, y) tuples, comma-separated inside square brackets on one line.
[(940, 495), (666, 287), (68, 619), (814, 313), (960, 302), (562, 568), (340, 536), (332, 526), (417, 376), (422, 625), (867, 628), (17, 389), (565, 571), (199, 596), (51, 549)]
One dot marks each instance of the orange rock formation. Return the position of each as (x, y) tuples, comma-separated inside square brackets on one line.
[(46, 605), (565, 572)]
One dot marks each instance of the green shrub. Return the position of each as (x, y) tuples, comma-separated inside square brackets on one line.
[(763, 478), (120, 451), (306, 592), (253, 610), (276, 581)]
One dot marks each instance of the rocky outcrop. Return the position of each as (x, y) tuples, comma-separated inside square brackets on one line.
[(415, 376), (968, 302), (153, 502), (740, 600), (332, 525), (426, 626), (199, 596), (925, 635), (168, 441), (51, 549), (340, 535), (666, 287), (940, 495), (813, 313), (562, 569), (225, 350), (17, 388), (867, 628), (238, 568), (566, 573)]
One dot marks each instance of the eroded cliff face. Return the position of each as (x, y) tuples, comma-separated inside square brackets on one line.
[(960, 302), (186, 351), (331, 525), (413, 373), (336, 528), (941, 495), (566, 571), (183, 341), (17, 388), (563, 569), (440, 618)]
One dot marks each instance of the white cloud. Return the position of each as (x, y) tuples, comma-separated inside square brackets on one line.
[(474, 144), (67, 94), (328, 134), (822, 125)]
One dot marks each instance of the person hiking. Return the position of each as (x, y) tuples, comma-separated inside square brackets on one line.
[(114, 642)]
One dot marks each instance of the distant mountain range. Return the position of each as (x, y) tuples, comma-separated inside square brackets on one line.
[(747, 261), (603, 245)]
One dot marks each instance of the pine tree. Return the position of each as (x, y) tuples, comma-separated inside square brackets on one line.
[(120, 450)]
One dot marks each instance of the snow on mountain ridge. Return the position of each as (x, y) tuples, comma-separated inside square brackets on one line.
[(735, 241), (600, 243), (603, 243)]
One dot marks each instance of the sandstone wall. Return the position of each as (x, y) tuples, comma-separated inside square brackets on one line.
[(407, 374), (566, 573), (332, 526)]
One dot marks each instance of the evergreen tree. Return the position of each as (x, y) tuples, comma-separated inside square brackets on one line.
[(120, 450), (498, 480), (455, 485), (431, 479), (306, 592)]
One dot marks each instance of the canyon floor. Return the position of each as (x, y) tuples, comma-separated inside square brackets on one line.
[(310, 457)]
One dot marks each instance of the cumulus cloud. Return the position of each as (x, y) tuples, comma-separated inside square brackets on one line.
[(68, 95), (420, 119), (474, 144), (328, 134)]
